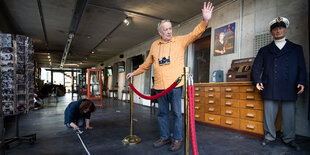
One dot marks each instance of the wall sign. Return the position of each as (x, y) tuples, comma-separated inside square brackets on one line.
[(224, 39)]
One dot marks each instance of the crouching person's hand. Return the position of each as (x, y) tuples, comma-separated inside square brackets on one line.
[(89, 128)]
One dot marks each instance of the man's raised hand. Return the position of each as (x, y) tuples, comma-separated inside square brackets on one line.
[(207, 11)]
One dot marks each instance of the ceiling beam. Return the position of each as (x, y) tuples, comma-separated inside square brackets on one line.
[(48, 51), (59, 70), (134, 12), (106, 37), (78, 12), (42, 21)]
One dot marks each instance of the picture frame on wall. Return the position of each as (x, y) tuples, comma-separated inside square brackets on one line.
[(224, 39)]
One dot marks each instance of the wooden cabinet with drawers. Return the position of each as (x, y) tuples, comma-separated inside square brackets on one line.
[(235, 105)]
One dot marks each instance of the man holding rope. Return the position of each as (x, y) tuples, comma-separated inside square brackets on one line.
[(167, 57)]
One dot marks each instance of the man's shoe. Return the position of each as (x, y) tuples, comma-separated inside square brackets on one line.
[(161, 142), (176, 145), (266, 142), (294, 145)]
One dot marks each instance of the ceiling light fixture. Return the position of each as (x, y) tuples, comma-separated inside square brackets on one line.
[(127, 21), (66, 51), (92, 52)]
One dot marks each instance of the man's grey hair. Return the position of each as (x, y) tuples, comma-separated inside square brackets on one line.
[(162, 21)]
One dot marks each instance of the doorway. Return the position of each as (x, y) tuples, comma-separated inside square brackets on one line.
[(202, 60)]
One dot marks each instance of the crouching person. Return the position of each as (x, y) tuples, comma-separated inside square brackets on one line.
[(77, 114)]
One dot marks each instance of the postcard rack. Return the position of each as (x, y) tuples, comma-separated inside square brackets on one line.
[(17, 83)]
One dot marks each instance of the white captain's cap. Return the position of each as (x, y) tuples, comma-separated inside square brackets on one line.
[(279, 21)]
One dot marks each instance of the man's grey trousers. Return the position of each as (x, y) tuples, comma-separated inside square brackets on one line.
[(288, 120)]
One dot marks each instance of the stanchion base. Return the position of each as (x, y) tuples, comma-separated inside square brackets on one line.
[(131, 139)]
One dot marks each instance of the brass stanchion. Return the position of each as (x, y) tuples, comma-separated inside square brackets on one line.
[(131, 139), (186, 113)]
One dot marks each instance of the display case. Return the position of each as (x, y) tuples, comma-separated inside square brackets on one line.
[(94, 85), (81, 85)]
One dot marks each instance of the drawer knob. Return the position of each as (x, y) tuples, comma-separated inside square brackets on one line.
[(228, 89), (250, 97), (197, 101), (197, 108), (228, 112), (228, 122), (211, 109), (211, 89), (250, 105), (250, 90), (211, 118), (197, 95), (228, 96), (211, 102), (250, 115), (197, 116), (197, 89), (249, 126), (228, 103), (211, 95)]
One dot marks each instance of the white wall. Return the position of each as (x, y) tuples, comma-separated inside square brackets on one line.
[(121, 84), (110, 78), (253, 16)]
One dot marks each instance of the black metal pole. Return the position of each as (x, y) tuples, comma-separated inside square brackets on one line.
[(2, 130), (17, 125)]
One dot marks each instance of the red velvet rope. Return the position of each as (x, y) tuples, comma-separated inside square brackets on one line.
[(190, 91), (172, 86)]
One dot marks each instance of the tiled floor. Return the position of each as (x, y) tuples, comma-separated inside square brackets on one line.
[(111, 125)]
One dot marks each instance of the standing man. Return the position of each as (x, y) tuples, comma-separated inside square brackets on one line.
[(279, 71), (167, 56)]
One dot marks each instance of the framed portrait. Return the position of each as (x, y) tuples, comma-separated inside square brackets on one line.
[(224, 39)]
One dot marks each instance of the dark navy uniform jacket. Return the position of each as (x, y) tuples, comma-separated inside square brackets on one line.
[(280, 71), (72, 113)]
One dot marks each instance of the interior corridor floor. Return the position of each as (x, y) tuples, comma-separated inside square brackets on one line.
[(111, 125)]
